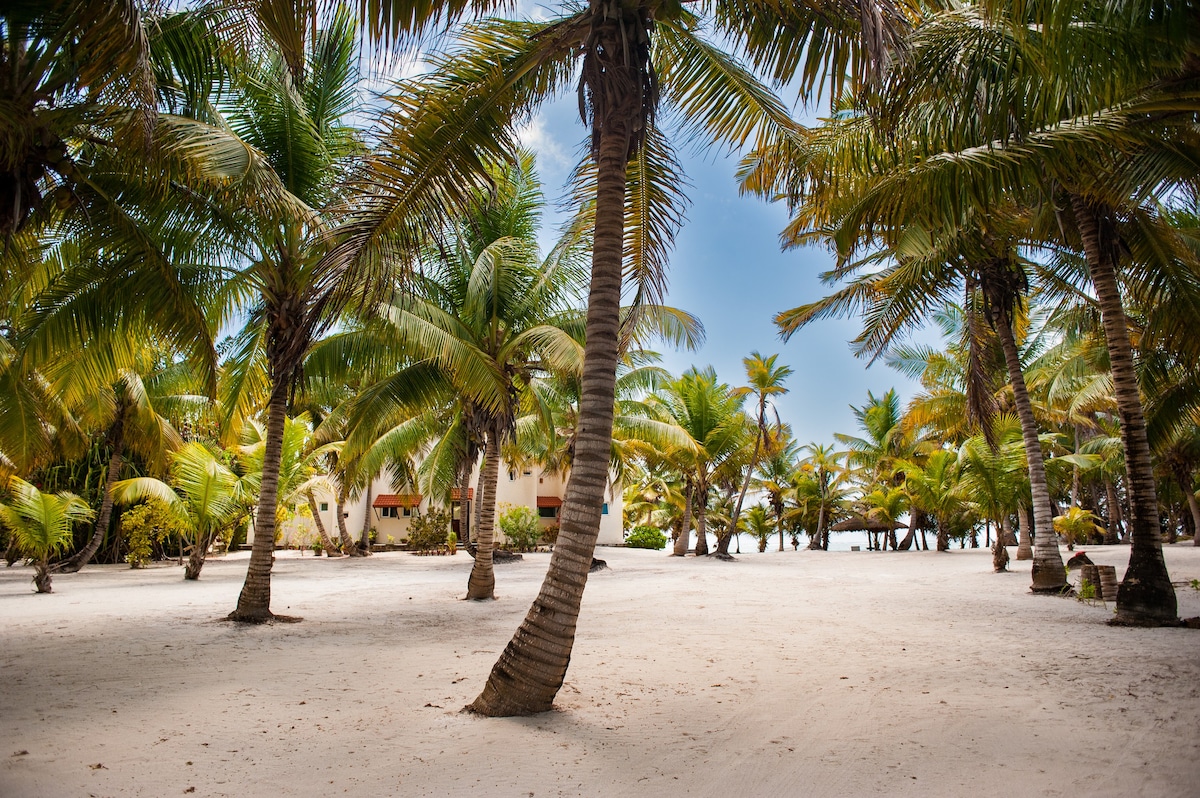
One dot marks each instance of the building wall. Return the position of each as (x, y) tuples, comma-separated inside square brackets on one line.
[(517, 486)]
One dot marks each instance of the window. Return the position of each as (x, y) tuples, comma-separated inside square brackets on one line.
[(512, 475), (547, 512), (604, 509), (408, 511), (324, 506), (528, 472), (390, 512)]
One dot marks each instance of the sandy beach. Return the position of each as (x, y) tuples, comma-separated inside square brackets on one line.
[(795, 673)]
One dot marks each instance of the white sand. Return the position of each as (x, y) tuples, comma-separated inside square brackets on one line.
[(809, 673)]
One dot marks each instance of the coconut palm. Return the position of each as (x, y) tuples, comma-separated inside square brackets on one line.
[(994, 476), (628, 51), (766, 381), (41, 524), (486, 317), (934, 488), (207, 495), (711, 415)]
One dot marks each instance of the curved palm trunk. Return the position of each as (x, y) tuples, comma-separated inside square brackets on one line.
[(1025, 540), (41, 576), (778, 508), (348, 545), (681, 542), (1112, 528), (195, 563), (702, 518), (481, 585), (1000, 549), (1049, 575), (327, 543), (1145, 597), (116, 434), (1183, 476), (723, 543), (254, 602), (815, 543), (531, 669), (915, 519), (364, 538)]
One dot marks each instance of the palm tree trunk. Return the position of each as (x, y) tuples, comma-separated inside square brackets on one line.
[(1049, 575), (348, 546), (1145, 597), (326, 541), (1000, 550), (364, 538), (815, 543), (481, 585), (196, 559), (41, 576), (116, 437), (723, 543), (254, 602), (531, 669), (1025, 544), (702, 518), (1111, 533), (681, 542)]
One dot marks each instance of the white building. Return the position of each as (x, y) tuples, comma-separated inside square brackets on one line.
[(390, 513)]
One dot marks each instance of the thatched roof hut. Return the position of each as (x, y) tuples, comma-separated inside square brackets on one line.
[(859, 523)]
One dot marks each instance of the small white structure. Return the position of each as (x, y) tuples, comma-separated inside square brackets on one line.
[(390, 513)]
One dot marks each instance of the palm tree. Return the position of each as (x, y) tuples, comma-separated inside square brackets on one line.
[(134, 413), (935, 488), (711, 415), (628, 51), (41, 524), (775, 472), (766, 381), (825, 465), (487, 318), (69, 68), (204, 492), (993, 475)]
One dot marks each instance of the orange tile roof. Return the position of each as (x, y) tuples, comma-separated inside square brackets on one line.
[(397, 500), (456, 493), (549, 501)]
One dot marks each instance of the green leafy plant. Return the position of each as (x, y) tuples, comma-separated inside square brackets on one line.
[(1076, 525), (428, 532), (521, 528), (1087, 591), (646, 537), (41, 524), (148, 523), (452, 542)]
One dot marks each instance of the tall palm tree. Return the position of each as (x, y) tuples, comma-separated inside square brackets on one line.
[(711, 415), (487, 317), (766, 380), (631, 54), (993, 475)]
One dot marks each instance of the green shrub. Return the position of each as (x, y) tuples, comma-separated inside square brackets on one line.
[(146, 524), (521, 527), (428, 532), (646, 537)]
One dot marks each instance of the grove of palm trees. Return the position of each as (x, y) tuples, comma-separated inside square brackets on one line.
[(270, 267)]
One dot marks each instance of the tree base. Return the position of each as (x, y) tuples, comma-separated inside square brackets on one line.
[(270, 617), (1046, 590), (1149, 622), (597, 565), (723, 556)]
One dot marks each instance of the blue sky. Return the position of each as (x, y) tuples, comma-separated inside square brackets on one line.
[(727, 268)]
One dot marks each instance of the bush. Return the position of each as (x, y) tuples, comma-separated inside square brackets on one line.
[(146, 524), (428, 532), (646, 537), (521, 527)]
